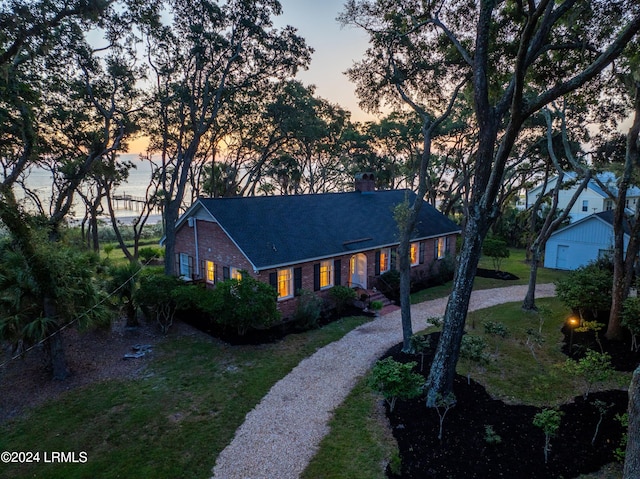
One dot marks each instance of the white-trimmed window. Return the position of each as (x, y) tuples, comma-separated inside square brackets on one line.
[(585, 205), (185, 266), (210, 272), (441, 248), (385, 260), (413, 253), (285, 283), (326, 274)]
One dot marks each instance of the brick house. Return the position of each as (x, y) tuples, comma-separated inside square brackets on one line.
[(309, 242)]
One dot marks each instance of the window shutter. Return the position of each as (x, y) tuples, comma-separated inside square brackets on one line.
[(190, 263), (203, 269), (435, 248), (337, 270), (421, 252), (393, 260), (225, 273), (297, 281), (316, 277), (377, 264), (273, 280), (177, 270)]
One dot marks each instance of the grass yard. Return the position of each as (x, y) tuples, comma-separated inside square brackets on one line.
[(170, 423), (514, 264), (513, 375), (175, 419)]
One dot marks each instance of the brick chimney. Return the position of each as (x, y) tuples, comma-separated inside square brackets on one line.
[(365, 182)]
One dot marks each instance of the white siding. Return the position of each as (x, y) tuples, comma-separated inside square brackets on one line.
[(595, 203)]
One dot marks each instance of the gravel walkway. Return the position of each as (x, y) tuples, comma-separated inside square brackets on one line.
[(282, 433)]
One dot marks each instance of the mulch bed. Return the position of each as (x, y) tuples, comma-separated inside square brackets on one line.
[(465, 452)]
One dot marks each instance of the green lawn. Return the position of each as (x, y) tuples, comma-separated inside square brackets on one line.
[(515, 264), (172, 422), (512, 375), (175, 420)]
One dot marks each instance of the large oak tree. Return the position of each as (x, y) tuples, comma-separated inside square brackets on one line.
[(521, 56), (208, 57)]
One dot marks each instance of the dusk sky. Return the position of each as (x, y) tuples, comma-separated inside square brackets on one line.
[(336, 48)]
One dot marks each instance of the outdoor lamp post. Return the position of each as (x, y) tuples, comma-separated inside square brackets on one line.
[(573, 322)]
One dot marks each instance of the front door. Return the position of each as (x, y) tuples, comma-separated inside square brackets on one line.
[(562, 257), (358, 270)]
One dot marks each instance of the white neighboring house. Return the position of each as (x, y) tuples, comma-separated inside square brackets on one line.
[(585, 240), (592, 199)]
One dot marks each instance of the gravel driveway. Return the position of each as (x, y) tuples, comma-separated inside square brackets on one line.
[(282, 433)]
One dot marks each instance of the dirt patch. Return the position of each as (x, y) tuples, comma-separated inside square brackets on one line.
[(92, 356)]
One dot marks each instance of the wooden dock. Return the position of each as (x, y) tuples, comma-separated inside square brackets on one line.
[(132, 203)]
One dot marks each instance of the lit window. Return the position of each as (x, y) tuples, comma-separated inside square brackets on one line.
[(285, 284), (326, 274), (441, 248), (236, 273), (413, 253), (385, 257), (210, 272)]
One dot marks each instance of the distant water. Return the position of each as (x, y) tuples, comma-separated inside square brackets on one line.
[(40, 181)]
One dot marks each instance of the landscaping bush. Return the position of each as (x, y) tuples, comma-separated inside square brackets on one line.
[(194, 300), (395, 380), (389, 284), (631, 319), (342, 297), (155, 297), (308, 310), (497, 250), (148, 253), (549, 421), (586, 290), (245, 304), (442, 270)]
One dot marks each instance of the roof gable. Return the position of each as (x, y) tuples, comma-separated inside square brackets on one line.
[(279, 230), (605, 217)]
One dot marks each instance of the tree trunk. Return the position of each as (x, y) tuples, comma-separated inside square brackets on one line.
[(632, 455), (57, 358), (130, 311), (529, 303), (405, 289), (443, 368), (621, 284), (614, 327), (171, 213)]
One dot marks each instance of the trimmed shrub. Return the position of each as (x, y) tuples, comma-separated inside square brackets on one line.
[(497, 250), (395, 380), (342, 297), (245, 304)]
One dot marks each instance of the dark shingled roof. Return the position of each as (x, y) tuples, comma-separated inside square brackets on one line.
[(280, 230)]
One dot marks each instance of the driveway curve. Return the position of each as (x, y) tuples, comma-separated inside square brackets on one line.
[(282, 433)]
